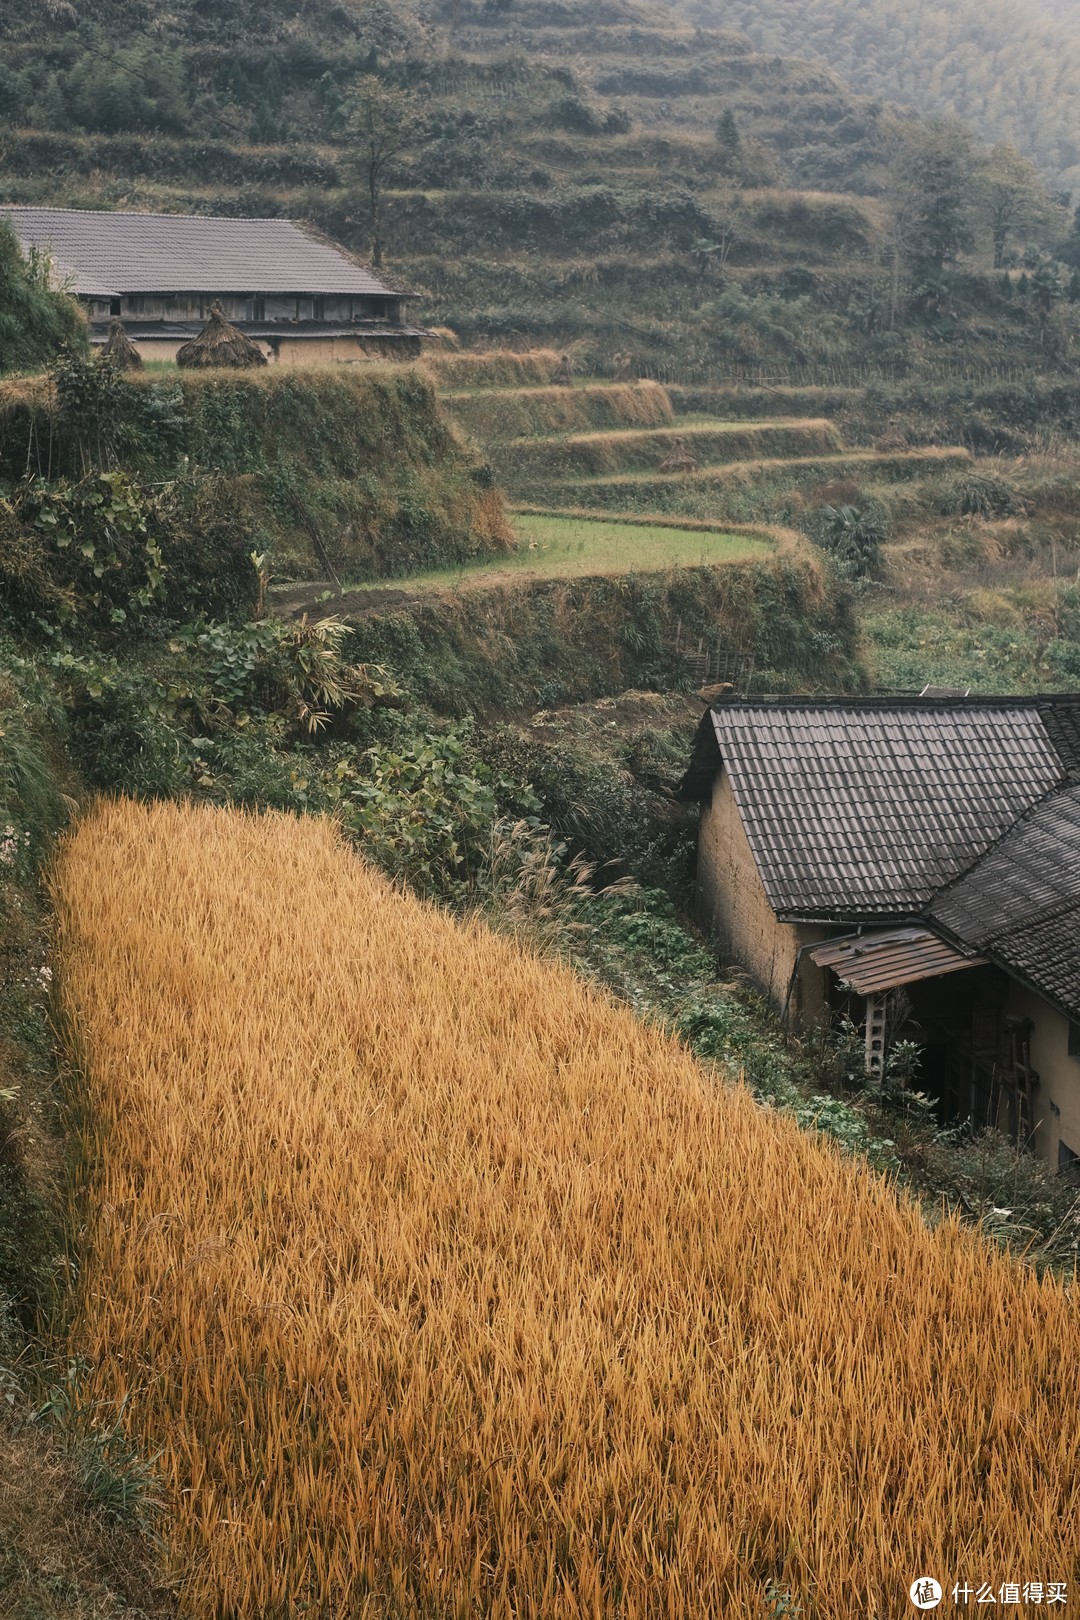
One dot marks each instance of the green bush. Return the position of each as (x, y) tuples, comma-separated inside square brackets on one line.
[(853, 538), (35, 321), (573, 114), (123, 744), (423, 809), (976, 495), (599, 809)]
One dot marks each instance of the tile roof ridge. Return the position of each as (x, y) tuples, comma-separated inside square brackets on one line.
[(900, 700), (1052, 792), (151, 213), (992, 950), (1048, 914)]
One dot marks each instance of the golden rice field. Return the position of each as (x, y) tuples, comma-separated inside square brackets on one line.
[(447, 1289)]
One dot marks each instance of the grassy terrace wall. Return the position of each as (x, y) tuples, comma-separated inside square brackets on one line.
[(744, 492), (639, 450), (508, 413), (541, 642), (354, 472)]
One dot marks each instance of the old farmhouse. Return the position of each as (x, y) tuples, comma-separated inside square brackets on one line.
[(851, 849), (302, 300)]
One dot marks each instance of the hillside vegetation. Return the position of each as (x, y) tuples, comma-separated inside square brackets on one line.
[(474, 1293), (35, 317), (910, 522), (353, 473)]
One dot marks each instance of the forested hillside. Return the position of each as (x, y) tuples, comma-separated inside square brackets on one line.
[(1011, 68)]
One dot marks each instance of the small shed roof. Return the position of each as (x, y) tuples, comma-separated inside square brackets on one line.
[(107, 254), (879, 961)]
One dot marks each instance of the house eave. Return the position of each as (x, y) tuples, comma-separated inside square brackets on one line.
[(859, 923), (268, 331), (1010, 972)]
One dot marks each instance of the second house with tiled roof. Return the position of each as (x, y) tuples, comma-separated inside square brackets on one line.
[(914, 862)]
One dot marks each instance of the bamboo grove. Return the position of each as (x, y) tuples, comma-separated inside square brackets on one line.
[(443, 1287)]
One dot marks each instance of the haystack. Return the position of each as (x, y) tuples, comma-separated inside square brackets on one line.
[(220, 344), (119, 349), (678, 458)]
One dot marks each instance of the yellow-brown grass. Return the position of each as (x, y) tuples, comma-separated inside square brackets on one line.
[(596, 454), (506, 413), (486, 368), (449, 1289)]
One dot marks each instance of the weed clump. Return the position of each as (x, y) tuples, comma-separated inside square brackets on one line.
[(979, 495), (853, 537)]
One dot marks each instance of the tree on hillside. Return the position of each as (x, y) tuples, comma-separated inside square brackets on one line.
[(384, 123), (933, 189), (1068, 251), (1013, 200), (932, 192), (727, 132), (1046, 292), (727, 216), (35, 320)]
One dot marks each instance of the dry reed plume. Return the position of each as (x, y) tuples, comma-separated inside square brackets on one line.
[(449, 1289)]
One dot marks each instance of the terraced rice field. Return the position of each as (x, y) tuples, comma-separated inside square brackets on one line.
[(707, 441), (606, 446), (441, 1287), (789, 471), (560, 546)]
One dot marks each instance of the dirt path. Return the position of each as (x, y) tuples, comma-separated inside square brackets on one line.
[(355, 602)]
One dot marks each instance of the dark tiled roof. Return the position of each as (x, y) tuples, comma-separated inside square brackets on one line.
[(1061, 717), (866, 809), (107, 254), (1021, 904)]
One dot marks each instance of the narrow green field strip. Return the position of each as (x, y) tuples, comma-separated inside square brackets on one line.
[(559, 547), (683, 427), (912, 463), (644, 451), (531, 390)]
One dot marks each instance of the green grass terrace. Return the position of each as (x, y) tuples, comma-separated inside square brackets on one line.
[(564, 544)]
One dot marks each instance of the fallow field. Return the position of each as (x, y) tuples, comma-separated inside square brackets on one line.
[(443, 1287)]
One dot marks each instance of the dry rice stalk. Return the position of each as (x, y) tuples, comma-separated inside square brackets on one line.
[(678, 458), (478, 1297), (220, 344), (120, 349)]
